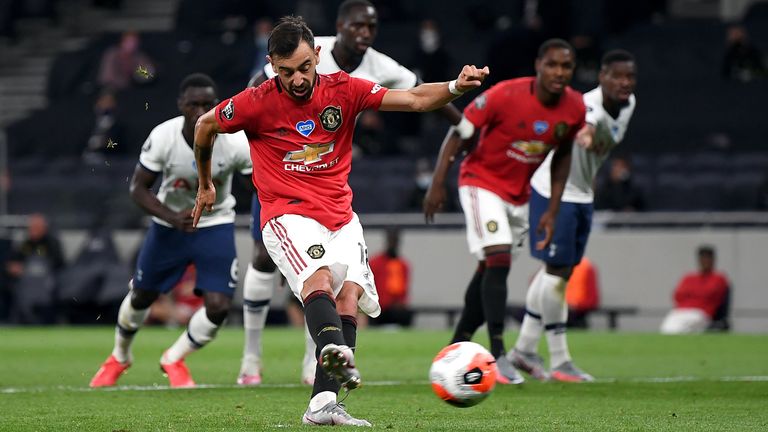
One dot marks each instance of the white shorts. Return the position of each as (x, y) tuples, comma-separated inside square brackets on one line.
[(300, 246), (492, 221), (684, 321)]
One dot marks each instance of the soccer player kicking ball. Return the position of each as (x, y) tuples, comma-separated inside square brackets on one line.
[(172, 242), (300, 127), (518, 122), (609, 109), (349, 51)]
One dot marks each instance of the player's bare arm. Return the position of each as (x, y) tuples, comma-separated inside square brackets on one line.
[(431, 96), (436, 194), (561, 167), (451, 113), (206, 129), (141, 193)]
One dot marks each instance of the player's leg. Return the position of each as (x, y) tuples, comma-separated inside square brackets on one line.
[(258, 287), (213, 253), (358, 291), (565, 251), (472, 316), (525, 355), (160, 264), (257, 293)]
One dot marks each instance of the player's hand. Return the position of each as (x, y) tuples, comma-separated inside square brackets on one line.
[(547, 226), (433, 201), (585, 137), (182, 220), (471, 78), (206, 196)]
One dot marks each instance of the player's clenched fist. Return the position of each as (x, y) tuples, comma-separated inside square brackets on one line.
[(471, 77)]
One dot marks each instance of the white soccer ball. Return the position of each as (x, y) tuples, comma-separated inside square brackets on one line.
[(463, 374)]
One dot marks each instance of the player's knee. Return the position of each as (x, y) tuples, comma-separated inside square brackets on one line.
[(142, 299), (560, 271), (263, 263), (321, 280), (346, 300), (217, 307), (498, 258)]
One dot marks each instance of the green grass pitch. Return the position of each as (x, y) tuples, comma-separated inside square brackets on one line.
[(647, 382)]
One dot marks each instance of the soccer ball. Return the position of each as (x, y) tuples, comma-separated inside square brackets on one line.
[(463, 374)]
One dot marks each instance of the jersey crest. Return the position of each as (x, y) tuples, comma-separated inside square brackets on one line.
[(330, 118)]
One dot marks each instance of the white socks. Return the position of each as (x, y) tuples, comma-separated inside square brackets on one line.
[(554, 316), (545, 299), (129, 320), (531, 328), (257, 292), (199, 332)]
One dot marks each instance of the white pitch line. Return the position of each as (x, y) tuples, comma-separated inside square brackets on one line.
[(640, 380), (12, 390)]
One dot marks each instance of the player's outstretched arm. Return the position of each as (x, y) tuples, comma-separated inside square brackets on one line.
[(206, 129), (559, 170), (431, 96)]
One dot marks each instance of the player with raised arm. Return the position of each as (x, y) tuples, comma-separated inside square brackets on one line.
[(516, 123), (349, 51), (173, 241), (300, 127), (609, 109)]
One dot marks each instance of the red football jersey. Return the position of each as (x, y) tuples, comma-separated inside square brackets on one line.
[(516, 133), (302, 150)]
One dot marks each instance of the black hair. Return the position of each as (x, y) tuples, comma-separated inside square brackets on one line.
[(554, 43), (287, 35), (196, 80), (346, 7), (706, 250), (615, 56)]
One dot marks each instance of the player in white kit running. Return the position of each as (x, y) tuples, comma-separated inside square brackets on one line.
[(172, 243)]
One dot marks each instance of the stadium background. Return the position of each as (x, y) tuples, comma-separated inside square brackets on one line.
[(696, 143)]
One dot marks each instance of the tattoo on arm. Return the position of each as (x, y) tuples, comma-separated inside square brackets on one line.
[(203, 153)]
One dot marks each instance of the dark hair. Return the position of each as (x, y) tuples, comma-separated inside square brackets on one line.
[(706, 250), (196, 80), (616, 55), (553, 43), (287, 35), (346, 7)]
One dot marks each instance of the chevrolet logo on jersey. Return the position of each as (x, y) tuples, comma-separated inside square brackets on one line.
[(310, 154), (531, 148)]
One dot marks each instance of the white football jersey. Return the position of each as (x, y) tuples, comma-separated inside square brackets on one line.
[(166, 151), (585, 163), (375, 67)]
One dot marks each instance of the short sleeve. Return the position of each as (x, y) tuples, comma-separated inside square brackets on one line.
[(593, 113), (402, 78), (152, 156), (242, 154), (239, 112), (365, 94), (480, 111)]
